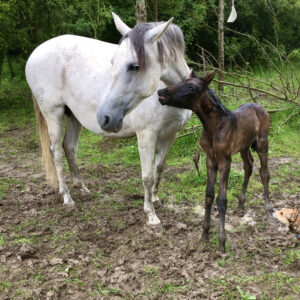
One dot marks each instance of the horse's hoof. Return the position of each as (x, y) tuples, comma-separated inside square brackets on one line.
[(69, 205), (86, 194), (155, 199), (153, 221)]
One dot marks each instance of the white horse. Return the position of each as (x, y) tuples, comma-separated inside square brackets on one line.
[(85, 80)]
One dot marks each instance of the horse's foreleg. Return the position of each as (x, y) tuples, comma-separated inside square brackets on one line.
[(70, 145), (146, 144), (224, 169), (209, 196), (54, 122), (262, 151), (163, 146), (248, 168)]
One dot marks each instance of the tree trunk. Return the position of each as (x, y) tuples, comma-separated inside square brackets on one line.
[(1, 64), (155, 4), (221, 42), (11, 69), (140, 11)]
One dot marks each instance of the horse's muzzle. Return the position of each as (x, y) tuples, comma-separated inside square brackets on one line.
[(109, 122)]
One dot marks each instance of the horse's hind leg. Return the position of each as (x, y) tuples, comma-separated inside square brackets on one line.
[(262, 151), (55, 122), (248, 167), (163, 146), (146, 143), (70, 145)]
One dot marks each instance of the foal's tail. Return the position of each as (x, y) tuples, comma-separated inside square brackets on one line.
[(41, 123)]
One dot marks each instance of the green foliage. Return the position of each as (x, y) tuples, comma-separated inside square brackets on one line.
[(24, 24), (245, 296)]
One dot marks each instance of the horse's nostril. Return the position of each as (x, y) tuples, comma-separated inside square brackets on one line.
[(106, 120)]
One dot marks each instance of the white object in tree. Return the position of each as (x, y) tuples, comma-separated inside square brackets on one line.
[(233, 15)]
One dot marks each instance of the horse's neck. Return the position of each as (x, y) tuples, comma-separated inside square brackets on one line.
[(174, 71)]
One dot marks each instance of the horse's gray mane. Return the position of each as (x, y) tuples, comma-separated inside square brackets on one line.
[(171, 43)]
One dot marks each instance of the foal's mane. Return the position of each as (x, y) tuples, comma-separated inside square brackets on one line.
[(171, 44), (219, 105)]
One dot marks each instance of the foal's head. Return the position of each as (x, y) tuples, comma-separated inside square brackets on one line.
[(187, 93)]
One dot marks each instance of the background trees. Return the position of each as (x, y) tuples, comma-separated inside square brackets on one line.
[(24, 24)]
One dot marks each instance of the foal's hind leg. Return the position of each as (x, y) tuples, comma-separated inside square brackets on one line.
[(163, 146), (262, 151), (55, 122), (248, 167), (146, 143), (70, 145)]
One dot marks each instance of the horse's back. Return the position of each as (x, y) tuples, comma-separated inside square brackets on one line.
[(67, 51)]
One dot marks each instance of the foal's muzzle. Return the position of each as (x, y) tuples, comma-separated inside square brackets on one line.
[(163, 96)]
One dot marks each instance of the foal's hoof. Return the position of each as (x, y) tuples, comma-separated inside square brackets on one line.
[(270, 219), (240, 212), (222, 248)]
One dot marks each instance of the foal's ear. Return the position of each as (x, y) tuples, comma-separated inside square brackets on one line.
[(192, 74), (209, 77), (121, 26), (156, 33)]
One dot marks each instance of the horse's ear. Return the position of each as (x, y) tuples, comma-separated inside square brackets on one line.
[(209, 77), (120, 25), (192, 74), (156, 33)]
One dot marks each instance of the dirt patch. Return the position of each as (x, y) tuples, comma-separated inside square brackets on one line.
[(103, 249)]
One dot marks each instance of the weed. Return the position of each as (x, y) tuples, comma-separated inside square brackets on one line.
[(245, 296)]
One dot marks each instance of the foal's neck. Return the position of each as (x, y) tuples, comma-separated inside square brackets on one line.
[(212, 112)]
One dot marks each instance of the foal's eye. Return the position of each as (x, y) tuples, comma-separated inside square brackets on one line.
[(134, 67), (192, 89)]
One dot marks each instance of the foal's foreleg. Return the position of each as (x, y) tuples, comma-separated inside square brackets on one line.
[(248, 168), (209, 196), (262, 151), (146, 144), (163, 146), (54, 122), (224, 169), (70, 145)]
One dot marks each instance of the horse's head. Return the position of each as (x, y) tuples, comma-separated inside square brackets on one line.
[(138, 65), (186, 94)]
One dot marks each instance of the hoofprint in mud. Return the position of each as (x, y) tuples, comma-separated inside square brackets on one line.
[(99, 86)]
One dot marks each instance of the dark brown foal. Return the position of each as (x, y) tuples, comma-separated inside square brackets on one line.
[(224, 134)]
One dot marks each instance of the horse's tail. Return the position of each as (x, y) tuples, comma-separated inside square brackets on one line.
[(41, 123)]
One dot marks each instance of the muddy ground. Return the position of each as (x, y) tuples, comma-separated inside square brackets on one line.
[(104, 250)]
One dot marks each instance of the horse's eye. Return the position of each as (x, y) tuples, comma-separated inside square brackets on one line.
[(192, 89), (134, 67)]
